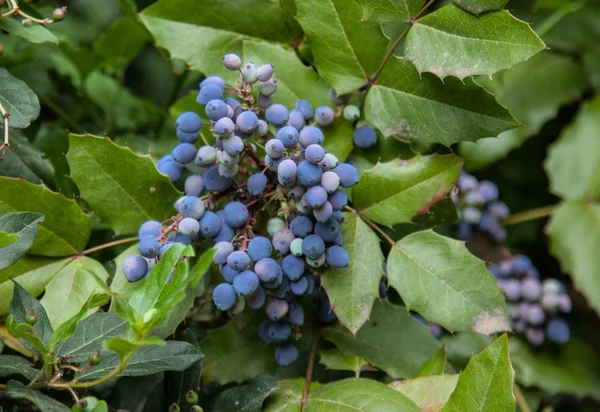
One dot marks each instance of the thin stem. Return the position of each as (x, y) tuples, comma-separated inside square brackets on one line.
[(169, 229), (73, 393), (424, 9), (108, 245), (309, 370), (528, 215), (521, 399), (15, 9), (373, 226), (6, 144)]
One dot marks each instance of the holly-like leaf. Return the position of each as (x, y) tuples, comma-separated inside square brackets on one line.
[(574, 370), (453, 42), (35, 33), (480, 6), (353, 289), (19, 101), (396, 191), (20, 231), (430, 393), (245, 398), (121, 42), (26, 161), (574, 231), (434, 365), (572, 160), (392, 340), (487, 382), (333, 359), (461, 346), (16, 365), (359, 394), (226, 348), (425, 264), (390, 11), (287, 398), (17, 390), (346, 51), (122, 188), (427, 110), (66, 228), (177, 384), (20, 303)]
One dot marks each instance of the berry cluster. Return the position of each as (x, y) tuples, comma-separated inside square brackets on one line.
[(270, 270), (479, 209), (534, 306)]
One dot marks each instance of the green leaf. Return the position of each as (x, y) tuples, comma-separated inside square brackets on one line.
[(488, 150), (245, 398), (126, 189), (392, 340), (390, 11), (333, 359), (426, 264), (17, 390), (36, 33), (16, 365), (461, 346), (574, 232), (23, 301), (90, 335), (430, 393), (441, 213), (174, 356), (95, 405), (571, 164), (574, 370), (287, 397), (177, 384), (427, 110), (19, 101), (346, 52), (480, 6), (19, 231), (396, 191), (26, 161), (121, 42), (226, 348), (69, 290), (353, 289), (434, 365), (358, 395), (487, 382), (25, 333), (61, 234), (453, 42), (67, 329)]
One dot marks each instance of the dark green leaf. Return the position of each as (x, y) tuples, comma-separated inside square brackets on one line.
[(467, 297), (441, 213), (287, 397), (19, 101), (23, 227), (36, 33), (396, 191), (392, 340), (16, 365), (67, 329), (61, 234), (177, 384), (17, 390), (121, 42), (430, 393), (462, 346), (453, 42), (23, 301), (479, 6), (423, 109), (333, 359), (25, 333), (434, 365), (245, 398), (126, 190), (24, 160), (487, 382), (353, 289), (390, 11), (346, 51)]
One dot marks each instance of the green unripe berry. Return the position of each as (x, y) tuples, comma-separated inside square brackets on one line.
[(59, 13), (31, 317), (80, 405), (351, 112), (239, 306), (95, 357), (296, 246), (191, 397), (174, 408), (196, 408)]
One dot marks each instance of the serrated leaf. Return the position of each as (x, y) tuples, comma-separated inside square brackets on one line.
[(392, 340), (173, 356), (20, 231), (453, 42), (396, 191), (15, 365), (287, 398), (19, 101), (35, 33), (122, 188), (346, 51), (71, 287), (26, 161), (17, 390), (574, 232), (121, 42), (572, 162), (430, 393), (61, 234), (467, 297), (20, 303), (427, 110), (574, 370), (358, 395), (226, 348), (245, 398), (461, 346), (487, 382), (177, 384), (353, 289), (480, 6), (434, 365), (335, 360), (390, 11)]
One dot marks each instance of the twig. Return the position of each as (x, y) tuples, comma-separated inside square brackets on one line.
[(15, 9), (424, 9), (521, 399), (108, 245), (373, 226), (169, 229), (6, 144), (73, 393), (529, 215), (309, 370)]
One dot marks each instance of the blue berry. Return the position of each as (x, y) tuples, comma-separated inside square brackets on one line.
[(293, 267), (194, 185), (308, 174), (185, 137), (150, 227), (257, 183), (287, 169), (295, 312), (184, 153), (535, 336), (347, 173), (278, 331), (232, 61), (262, 129), (264, 72), (189, 122), (249, 73), (263, 331), (149, 246), (296, 119), (316, 196), (301, 226), (310, 135), (286, 354), (299, 287), (267, 270), (222, 250), (192, 206), (238, 260), (214, 182), (328, 231), (236, 214), (233, 145), (296, 192), (209, 92), (324, 115), (313, 246), (224, 296), (228, 273), (134, 268), (245, 283), (224, 127), (164, 248), (257, 298), (247, 121), (305, 108), (274, 148), (488, 190), (274, 225), (267, 89), (226, 234), (323, 213), (282, 240), (558, 331), (216, 109), (171, 169), (259, 248), (277, 114), (273, 164), (276, 308), (337, 257), (365, 137), (210, 225), (330, 181), (213, 80), (288, 135), (329, 162), (314, 153), (189, 226), (206, 155)]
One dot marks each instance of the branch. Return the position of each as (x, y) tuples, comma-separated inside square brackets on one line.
[(309, 370), (109, 245), (528, 215), (521, 399)]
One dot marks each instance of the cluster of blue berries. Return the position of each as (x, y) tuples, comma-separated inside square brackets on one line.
[(534, 306), (479, 209), (273, 270)]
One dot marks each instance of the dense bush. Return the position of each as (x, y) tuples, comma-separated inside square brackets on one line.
[(298, 205)]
